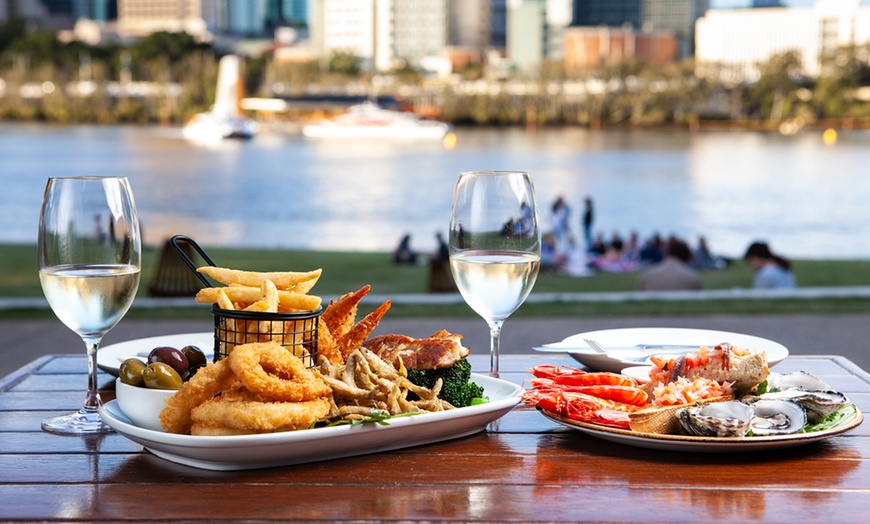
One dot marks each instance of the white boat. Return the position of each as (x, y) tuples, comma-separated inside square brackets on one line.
[(225, 120), (368, 120)]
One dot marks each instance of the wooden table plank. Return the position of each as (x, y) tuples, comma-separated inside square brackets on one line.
[(525, 468)]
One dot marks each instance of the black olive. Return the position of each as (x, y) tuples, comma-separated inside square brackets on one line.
[(170, 356), (195, 356)]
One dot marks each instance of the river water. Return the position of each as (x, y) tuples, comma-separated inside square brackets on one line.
[(808, 199)]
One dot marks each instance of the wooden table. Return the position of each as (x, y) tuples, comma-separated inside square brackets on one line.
[(524, 468)]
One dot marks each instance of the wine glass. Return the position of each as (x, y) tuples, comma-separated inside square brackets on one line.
[(89, 253), (495, 245)]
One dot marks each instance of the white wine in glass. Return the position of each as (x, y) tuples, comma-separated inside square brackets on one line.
[(89, 252), (495, 245)]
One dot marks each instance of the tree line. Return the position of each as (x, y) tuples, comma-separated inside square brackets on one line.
[(628, 93)]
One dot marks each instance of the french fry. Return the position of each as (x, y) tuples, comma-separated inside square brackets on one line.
[(287, 300), (285, 280), (269, 294), (260, 306), (222, 300)]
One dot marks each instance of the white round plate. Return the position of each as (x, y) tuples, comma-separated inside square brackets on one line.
[(109, 358), (639, 373), (297, 447), (705, 444), (617, 360)]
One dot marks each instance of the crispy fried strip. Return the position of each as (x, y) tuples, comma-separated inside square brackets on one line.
[(287, 300), (282, 279), (261, 416), (208, 382)]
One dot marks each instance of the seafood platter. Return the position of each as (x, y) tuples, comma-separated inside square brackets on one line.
[(267, 396), (720, 398)]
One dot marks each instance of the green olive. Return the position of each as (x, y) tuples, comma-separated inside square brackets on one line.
[(160, 375), (195, 356), (130, 372)]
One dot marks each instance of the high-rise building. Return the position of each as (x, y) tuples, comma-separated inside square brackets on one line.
[(59, 14), (469, 23), (535, 31), (732, 43), (137, 18), (678, 16), (380, 32), (287, 13), (498, 23)]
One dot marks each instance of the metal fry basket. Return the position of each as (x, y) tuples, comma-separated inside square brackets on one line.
[(296, 331)]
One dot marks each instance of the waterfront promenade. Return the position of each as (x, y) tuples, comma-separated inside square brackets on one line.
[(805, 334)]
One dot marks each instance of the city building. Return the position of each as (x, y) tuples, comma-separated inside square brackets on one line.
[(469, 23), (590, 47), (677, 16), (732, 43), (535, 31), (384, 34), (58, 14), (292, 13), (139, 18)]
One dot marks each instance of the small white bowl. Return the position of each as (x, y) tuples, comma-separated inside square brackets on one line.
[(142, 405)]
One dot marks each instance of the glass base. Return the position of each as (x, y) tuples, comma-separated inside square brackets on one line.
[(78, 423)]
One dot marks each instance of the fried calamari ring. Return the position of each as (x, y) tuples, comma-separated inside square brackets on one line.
[(248, 415), (271, 371), (208, 382)]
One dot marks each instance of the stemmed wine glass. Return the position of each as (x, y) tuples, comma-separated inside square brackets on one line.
[(89, 253), (495, 245)]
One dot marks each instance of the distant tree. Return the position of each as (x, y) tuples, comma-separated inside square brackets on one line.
[(772, 95), (10, 31), (344, 63), (162, 44)]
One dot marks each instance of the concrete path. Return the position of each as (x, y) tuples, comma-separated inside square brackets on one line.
[(847, 335)]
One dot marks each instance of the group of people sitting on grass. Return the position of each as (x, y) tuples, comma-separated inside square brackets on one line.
[(664, 263)]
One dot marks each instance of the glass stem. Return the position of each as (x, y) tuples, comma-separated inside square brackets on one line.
[(92, 400), (494, 338)]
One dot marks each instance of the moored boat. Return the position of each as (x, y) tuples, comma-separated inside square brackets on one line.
[(368, 120)]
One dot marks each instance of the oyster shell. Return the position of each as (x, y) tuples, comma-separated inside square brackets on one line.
[(718, 419), (797, 380), (777, 417), (818, 404)]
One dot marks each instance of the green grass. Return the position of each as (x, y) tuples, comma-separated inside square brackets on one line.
[(347, 271)]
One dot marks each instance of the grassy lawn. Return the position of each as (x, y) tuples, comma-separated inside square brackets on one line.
[(346, 271)]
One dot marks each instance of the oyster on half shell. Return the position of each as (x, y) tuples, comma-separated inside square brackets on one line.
[(818, 404), (777, 417), (718, 419), (797, 380)]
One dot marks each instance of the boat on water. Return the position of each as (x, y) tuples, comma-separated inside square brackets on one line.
[(225, 120), (368, 120)]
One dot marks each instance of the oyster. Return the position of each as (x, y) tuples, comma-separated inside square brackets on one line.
[(718, 419), (777, 417), (818, 404), (797, 380)]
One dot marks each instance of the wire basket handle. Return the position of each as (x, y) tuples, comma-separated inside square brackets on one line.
[(174, 241)]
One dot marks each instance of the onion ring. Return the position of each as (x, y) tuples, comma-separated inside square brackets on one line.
[(270, 370), (252, 415), (208, 382)]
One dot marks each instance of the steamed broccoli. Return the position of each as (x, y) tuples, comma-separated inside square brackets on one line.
[(456, 386)]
